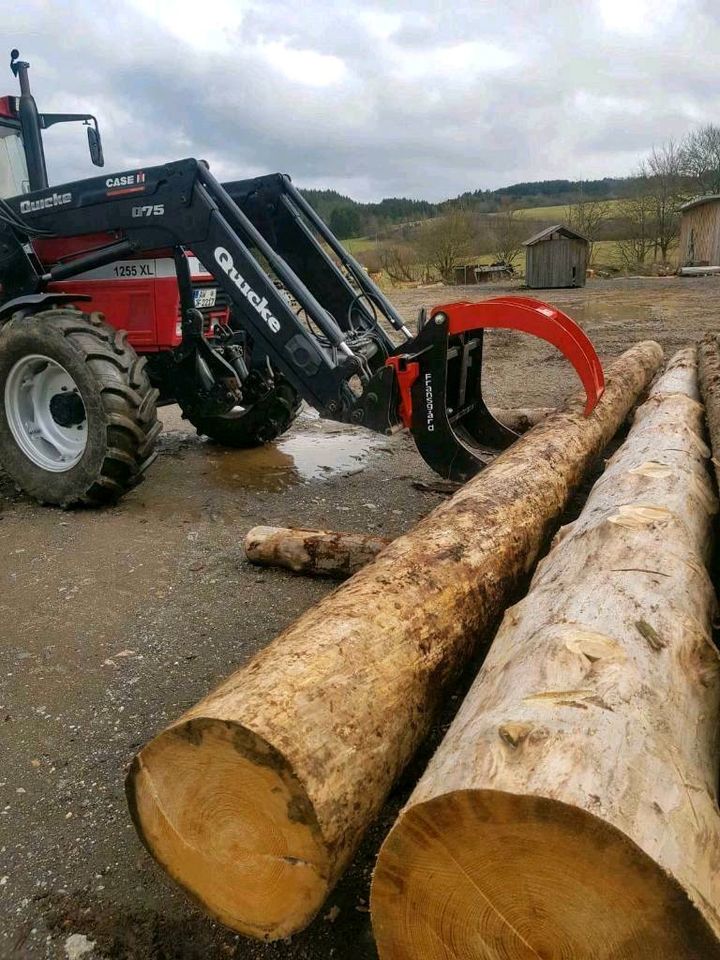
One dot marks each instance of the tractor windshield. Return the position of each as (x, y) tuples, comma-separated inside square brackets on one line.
[(13, 168)]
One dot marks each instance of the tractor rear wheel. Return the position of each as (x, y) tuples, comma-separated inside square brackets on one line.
[(78, 420), (253, 425)]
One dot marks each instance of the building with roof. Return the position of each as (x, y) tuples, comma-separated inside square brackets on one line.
[(556, 257), (700, 232)]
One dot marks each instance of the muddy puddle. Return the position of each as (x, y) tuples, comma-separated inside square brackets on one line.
[(304, 456), (594, 312)]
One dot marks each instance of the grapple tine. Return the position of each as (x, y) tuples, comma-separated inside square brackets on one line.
[(539, 319), (439, 377), (571, 327)]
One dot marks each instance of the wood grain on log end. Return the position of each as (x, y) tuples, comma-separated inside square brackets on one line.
[(222, 812), (487, 874)]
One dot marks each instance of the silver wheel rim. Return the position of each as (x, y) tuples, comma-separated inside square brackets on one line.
[(46, 413)]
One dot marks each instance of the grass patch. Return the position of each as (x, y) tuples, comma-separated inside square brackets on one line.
[(356, 245), (606, 253), (559, 211)]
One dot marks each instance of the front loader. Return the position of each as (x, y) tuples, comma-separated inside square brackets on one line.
[(159, 285)]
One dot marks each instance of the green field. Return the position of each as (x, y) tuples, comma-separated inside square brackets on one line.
[(558, 212), (358, 245), (605, 252)]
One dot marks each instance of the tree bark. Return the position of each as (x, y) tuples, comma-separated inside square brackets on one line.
[(521, 419), (709, 368), (256, 798), (571, 810), (320, 552)]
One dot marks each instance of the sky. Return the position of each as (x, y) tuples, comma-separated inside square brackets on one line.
[(414, 98)]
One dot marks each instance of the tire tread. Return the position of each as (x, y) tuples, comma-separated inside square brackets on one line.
[(126, 396)]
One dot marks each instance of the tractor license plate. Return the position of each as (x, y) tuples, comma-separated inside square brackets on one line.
[(205, 298)]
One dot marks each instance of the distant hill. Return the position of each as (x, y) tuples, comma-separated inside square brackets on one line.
[(349, 218), (549, 190)]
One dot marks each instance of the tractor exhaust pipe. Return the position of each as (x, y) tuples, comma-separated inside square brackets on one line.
[(30, 125)]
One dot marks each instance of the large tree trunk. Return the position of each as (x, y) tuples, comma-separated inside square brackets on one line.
[(709, 368), (256, 798), (571, 810)]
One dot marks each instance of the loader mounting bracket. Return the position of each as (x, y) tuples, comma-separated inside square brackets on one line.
[(438, 377)]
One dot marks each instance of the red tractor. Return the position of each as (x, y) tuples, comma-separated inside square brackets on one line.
[(160, 285)]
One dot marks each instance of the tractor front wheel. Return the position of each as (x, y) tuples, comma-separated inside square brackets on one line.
[(78, 421), (255, 424)]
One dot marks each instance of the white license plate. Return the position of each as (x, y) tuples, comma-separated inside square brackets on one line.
[(205, 298)]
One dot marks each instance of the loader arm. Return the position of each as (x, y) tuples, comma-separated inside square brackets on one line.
[(266, 248), (181, 206)]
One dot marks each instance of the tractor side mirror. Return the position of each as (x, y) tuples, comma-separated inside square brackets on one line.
[(95, 146)]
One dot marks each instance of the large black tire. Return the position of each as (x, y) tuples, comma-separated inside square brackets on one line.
[(119, 401), (254, 425)]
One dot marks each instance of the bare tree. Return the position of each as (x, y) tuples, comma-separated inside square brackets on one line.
[(587, 216), (665, 185), (638, 212), (443, 243), (399, 262), (507, 233), (700, 153)]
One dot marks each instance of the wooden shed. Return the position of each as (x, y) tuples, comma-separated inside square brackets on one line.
[(556, 257), (700, 232)]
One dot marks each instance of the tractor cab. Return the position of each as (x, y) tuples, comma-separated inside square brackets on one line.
[(22, 157)]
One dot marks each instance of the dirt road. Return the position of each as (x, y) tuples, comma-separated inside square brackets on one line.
[(114, 621)]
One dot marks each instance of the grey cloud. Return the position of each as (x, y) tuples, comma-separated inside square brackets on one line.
[(578, 100)]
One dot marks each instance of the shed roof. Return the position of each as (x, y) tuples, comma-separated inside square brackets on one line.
[(558, 228), (699, 201)]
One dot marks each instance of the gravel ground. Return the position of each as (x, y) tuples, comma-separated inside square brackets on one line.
[(114, 621)]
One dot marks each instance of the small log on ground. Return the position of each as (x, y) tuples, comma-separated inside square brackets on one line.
[(323, 553), (709, 367), (256, 798), (571, 810)]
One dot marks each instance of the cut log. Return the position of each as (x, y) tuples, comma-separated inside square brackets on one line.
[(571, 810), (323, 553), (698, 271), (256, 798), (709, 367)]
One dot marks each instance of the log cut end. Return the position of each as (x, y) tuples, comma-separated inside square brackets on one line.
[(222, 812), (488, 875)]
